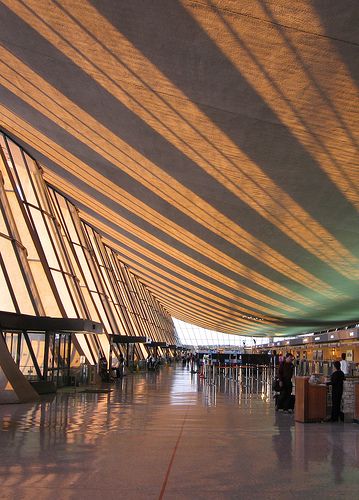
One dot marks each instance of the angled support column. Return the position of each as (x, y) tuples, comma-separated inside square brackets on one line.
[(22, 388)]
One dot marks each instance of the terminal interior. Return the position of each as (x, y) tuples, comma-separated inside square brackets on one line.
[(178, 213)]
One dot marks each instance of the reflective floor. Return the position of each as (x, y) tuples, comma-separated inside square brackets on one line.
[(171, 435)]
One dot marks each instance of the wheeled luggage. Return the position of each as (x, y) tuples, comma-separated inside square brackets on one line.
[(278, 404)]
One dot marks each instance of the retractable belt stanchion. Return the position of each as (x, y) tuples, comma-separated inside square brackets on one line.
[(210, 374), (249, 376)]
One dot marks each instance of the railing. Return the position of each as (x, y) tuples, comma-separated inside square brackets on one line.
[(241, 374)]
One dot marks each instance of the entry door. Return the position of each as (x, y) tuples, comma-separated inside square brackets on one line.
[(59, 349)]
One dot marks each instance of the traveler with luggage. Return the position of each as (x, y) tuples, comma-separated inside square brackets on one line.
[(285, 374)]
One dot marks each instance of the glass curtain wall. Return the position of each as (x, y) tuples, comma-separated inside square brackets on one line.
[(191, 335), (18, 291), (120, 318), (94, 299), (54, 264), (25, 240), (124, 302)]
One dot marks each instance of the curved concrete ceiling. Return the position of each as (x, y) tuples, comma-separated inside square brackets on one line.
[(213, 142)]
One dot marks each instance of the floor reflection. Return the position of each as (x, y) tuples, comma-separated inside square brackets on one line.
[(135, 423), (283, 440)]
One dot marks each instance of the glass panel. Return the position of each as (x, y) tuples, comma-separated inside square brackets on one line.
[(81, 339), (64, 294), (7, 180), (12, 340), (16, 279), (107, 284), (66, 209), (26, 364), (77, 297), (105, 346), (51, 358), (6, 302), (21, 226), (26, 192), (46, 294), (93, 242), (3, 228), (38, 345), (90, 305), (85, 268), (102, 312), (122, 322), (38, 182), (57, 242), (72, 258), (44, 238)]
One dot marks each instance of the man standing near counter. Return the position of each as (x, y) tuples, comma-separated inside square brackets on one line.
[(336, 381), (285, 374)]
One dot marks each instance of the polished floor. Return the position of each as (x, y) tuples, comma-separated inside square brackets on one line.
[(171, 435)]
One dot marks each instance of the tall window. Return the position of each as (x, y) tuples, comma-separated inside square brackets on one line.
[(54, 264)]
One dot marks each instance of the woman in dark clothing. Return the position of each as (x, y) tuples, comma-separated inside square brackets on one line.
[(336, 381), (285, 374)]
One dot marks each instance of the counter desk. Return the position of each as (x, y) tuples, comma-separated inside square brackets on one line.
[(310, 401)]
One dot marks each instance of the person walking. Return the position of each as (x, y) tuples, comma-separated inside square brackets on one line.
[(337, 382)]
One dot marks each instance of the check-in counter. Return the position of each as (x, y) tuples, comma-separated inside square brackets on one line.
[(310, 401)]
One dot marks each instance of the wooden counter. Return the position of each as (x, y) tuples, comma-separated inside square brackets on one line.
[(310, 401)]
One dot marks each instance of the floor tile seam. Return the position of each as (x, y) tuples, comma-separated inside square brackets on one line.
[(170, 465)]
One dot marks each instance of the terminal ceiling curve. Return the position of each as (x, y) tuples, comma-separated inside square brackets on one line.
[(213, 143)]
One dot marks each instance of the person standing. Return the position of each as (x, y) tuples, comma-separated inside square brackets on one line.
[(119, 370), (337, 382), (274, 358), (103, 372), (285, 374), (344, 366)]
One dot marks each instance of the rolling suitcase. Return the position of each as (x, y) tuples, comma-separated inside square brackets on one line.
[(278, 405)]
